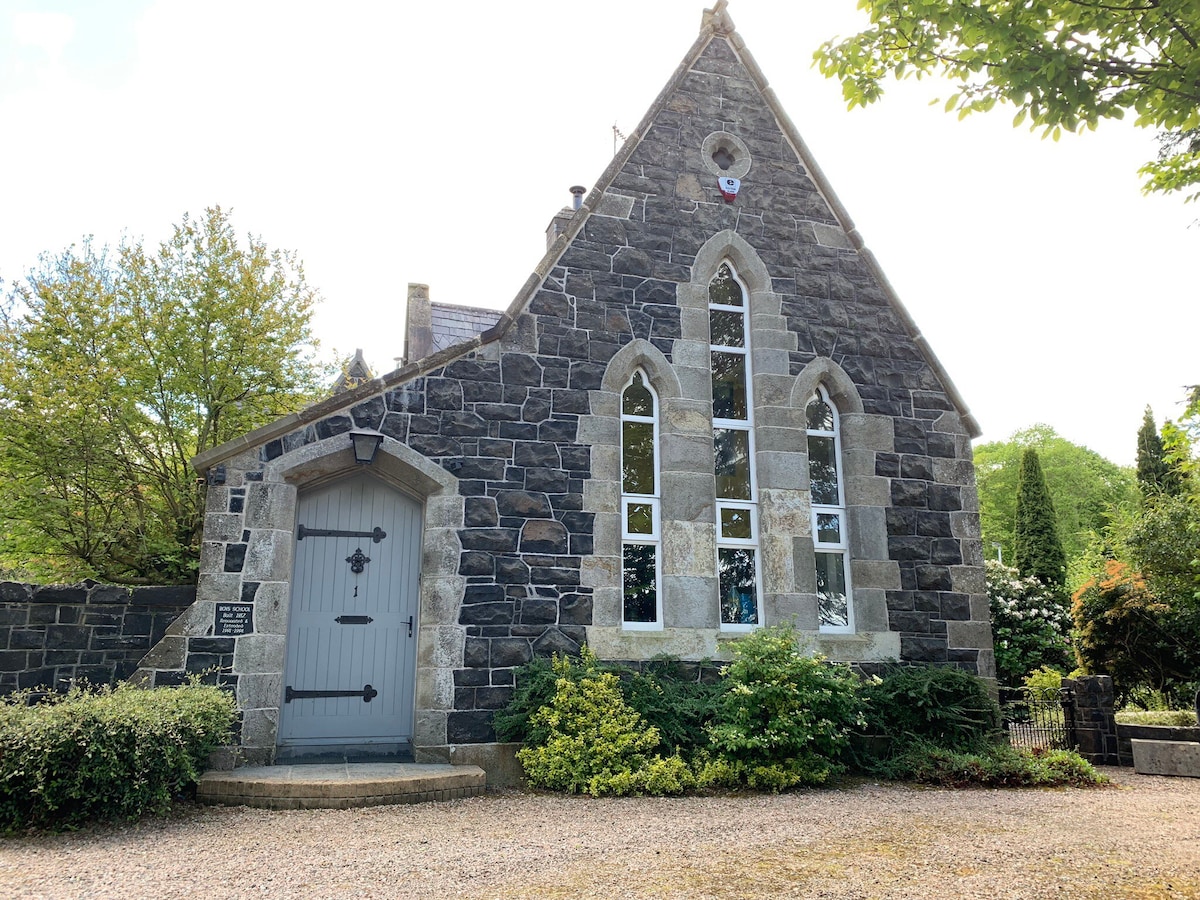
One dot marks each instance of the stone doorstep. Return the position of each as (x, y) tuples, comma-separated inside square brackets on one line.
[(340, 786), (1177, 758)]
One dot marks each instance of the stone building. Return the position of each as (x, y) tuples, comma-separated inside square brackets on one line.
[(706, 411)]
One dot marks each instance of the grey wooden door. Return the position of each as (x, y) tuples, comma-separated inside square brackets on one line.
[(352, 643)]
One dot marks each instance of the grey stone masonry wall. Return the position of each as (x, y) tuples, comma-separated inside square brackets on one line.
[(52, 636), (512, 441)]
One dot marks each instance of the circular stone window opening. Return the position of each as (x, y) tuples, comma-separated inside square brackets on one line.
[(725, 154)]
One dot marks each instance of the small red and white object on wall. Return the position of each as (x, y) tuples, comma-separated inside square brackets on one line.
[(729, 188)]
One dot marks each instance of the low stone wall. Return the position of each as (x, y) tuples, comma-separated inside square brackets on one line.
[(1126, 734), (54, 635)]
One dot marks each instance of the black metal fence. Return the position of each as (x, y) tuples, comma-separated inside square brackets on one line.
[(1039, 718)]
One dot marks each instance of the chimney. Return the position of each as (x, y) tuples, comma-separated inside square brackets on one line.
[(418, 324), (559, 223)]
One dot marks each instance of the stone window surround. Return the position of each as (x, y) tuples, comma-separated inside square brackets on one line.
[(690, 610), (734, 145)]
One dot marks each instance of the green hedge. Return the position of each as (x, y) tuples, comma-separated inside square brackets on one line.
[(112, 753), (1174, 718), (939, 706), (780, 718)]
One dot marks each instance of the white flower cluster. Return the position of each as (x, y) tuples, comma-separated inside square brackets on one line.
[(1019, 599)]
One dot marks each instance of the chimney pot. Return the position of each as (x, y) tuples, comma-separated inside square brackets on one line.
[(577, 193)]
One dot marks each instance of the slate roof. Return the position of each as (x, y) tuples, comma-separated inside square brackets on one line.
[(356, 372), (454, 324)]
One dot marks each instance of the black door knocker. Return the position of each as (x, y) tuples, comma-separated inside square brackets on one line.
[(358, 561)]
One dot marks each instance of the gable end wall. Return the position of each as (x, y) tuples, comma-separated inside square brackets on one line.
[(522, 556)]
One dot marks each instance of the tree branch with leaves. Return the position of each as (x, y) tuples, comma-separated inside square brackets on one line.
[(1064, 65)]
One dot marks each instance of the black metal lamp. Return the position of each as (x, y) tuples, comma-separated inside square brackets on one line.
[(365, 442)]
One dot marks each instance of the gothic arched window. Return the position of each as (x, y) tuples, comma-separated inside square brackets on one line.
[(640, 521), (830, 542), (733, 446)]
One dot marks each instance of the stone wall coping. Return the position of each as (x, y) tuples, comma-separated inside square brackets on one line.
[(94, 592)]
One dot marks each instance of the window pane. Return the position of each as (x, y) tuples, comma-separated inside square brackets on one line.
[(641, 591), (732, 450), (735, 523), (639, 518), (637, 399), (739, 597), (822, 470), (729, 385), (820, 416), (833, 607), (637, 457), (829, 528), (723, 289), (726, 329)]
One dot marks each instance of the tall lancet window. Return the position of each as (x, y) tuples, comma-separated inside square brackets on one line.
[(733, 445), (640, 523), (830, 542)]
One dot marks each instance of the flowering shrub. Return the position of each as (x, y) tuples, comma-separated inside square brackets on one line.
[(1146, 642), (1031, 624)]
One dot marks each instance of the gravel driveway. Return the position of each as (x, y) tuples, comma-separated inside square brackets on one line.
[(1140, 839)]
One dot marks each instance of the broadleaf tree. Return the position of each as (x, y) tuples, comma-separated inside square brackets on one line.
[(118, 368), (1064, 65)]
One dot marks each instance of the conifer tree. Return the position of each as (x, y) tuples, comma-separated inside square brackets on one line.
[(1038, 551), (1155, 473)]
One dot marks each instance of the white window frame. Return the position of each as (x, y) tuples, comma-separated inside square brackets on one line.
[(746, 425), (841, 547), (653, 500)]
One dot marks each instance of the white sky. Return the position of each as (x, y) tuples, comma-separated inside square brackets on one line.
[(392, 142)]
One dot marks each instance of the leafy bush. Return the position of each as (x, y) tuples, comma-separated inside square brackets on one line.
[(1031, 624), (591, 741), (536, 682), (996, 766), (784, 718), (1044, 682), (116, 753), (1146, 642), (932, 706), (1177, 718), (680, 708)]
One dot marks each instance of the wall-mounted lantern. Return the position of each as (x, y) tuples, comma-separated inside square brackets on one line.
[(365, 442)]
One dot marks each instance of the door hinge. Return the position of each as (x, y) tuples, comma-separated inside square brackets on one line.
[(290, 694)]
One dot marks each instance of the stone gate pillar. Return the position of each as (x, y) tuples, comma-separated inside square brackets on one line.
[(1095, 718)]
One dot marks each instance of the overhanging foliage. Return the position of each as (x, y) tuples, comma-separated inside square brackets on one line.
[(1064, 64)]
